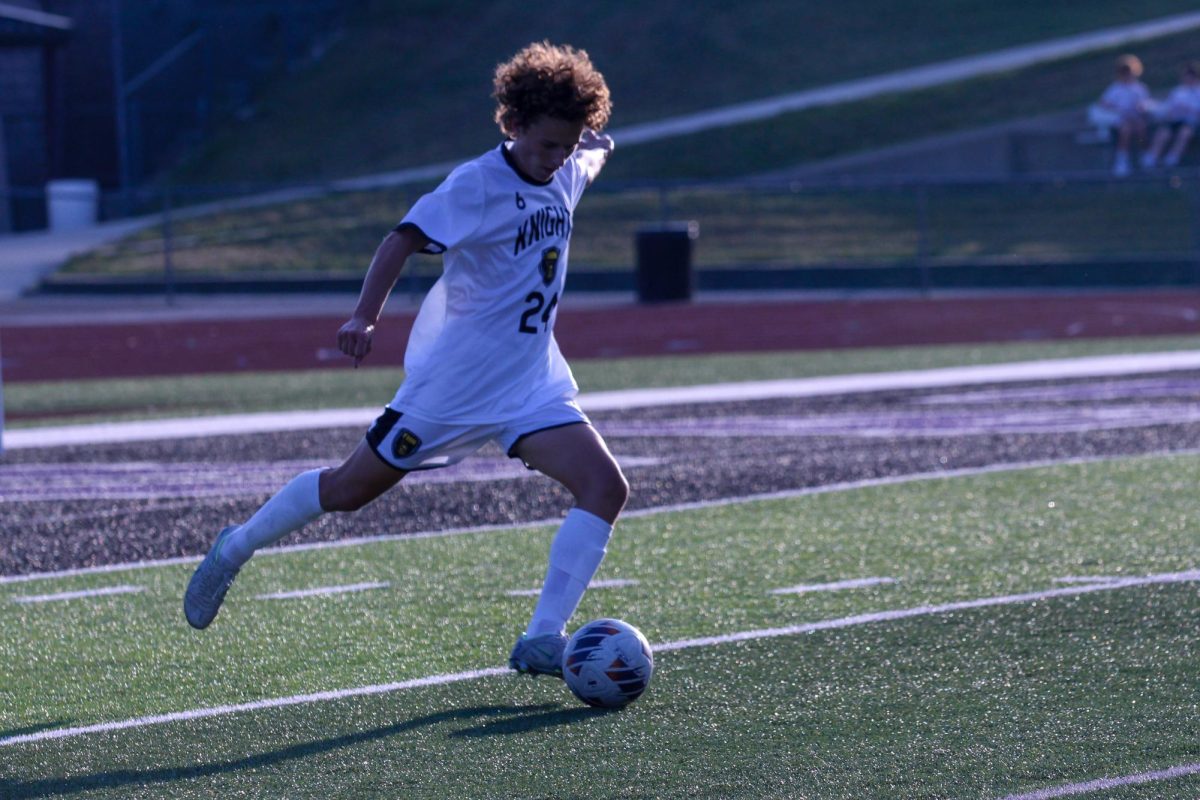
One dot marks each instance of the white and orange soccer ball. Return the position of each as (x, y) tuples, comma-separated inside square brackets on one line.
[(608, 663)]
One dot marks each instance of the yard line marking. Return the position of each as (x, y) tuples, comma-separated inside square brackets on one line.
[(697, 505), (51, 598), (921, 611), (257, 705), (321, 591), (1109, 783), (612, 583), (835, 586), (682, 644), (1050, 369), (1086, 579), (100, 570)]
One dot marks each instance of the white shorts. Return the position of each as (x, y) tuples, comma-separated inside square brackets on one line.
[(1105, 118), (411, 443)]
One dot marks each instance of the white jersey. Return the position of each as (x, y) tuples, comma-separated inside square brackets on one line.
[(1182, 104), (482, 348), (1126, 99)]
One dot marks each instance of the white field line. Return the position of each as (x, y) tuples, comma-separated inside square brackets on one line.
[(663, 647), (611, 583), (1086, 579), (835, 586), (258, 705), (267, 422), (322, 591), (51, 598), (698, 505), (102, 570), (921, 611), (1109, 783)]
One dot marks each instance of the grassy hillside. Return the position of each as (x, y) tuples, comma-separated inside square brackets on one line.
[(409, 83), (335, 234)]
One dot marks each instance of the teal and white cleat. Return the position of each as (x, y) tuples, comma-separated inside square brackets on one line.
[(206, 590), (539, 655)]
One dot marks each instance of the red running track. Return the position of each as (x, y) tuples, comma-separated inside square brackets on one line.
[(131, 349)]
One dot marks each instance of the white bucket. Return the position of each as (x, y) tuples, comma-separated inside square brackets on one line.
[(71, 203)]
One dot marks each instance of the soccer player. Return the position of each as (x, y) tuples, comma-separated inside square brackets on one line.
[(482, 363), (1122, 108), (1178, 117)]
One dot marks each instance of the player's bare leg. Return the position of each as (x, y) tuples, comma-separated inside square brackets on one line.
[(360, 479), (578, 458), (1182, 138)]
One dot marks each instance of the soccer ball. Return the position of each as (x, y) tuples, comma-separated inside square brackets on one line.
[(608, 663)]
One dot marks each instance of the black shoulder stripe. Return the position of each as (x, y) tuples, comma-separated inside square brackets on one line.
[(434, 248)]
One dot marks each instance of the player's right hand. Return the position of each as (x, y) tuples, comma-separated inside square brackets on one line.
[(354, 338)]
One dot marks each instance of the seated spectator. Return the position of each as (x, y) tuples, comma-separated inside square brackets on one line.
[(1122, 108), (1176, 116)]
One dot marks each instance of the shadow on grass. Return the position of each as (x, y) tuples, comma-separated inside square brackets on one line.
[(531, 721), (496, 721)]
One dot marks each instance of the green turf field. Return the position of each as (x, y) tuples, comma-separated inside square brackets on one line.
[(1013, 695)]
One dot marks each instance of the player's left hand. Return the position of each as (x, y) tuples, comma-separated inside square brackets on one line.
[(354, 338), (590, 140)]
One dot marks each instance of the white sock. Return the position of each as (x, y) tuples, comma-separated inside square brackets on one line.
[(294, 506), (575, 555)]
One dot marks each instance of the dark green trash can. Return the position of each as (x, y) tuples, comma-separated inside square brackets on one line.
[(664, 262)]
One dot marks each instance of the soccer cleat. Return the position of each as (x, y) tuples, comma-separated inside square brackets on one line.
[(539, 655), (206, 590)]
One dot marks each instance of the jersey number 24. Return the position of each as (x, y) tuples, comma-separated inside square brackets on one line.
[(537, 305)]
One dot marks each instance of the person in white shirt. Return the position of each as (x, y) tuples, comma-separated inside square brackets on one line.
[(481, 363), (1123, 108), (1176, 118)]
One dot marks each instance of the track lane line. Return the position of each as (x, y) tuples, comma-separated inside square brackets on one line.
[(972, 375)]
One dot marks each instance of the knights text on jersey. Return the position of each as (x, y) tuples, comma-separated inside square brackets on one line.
[(482, 348)]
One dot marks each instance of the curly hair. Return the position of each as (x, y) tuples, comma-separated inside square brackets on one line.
[(1129, 64), (550, 80)]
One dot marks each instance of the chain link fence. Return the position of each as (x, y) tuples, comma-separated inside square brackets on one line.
[(898, 234)]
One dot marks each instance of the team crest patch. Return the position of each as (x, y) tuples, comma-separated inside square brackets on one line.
[(549, 266), (405, 444)]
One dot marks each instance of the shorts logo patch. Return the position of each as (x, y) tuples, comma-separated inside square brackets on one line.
[(549, 266), (405, 444), (382, 427)]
